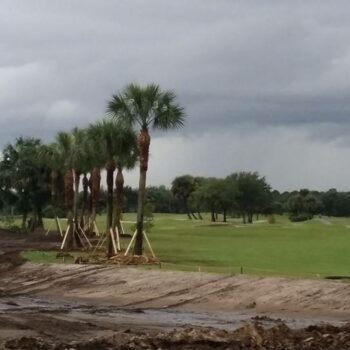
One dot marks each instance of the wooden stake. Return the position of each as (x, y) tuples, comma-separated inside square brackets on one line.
[(100, 242), (96, 229), (122, 227), (130, 244), (87, 239), (113, 241), (65, 237), (149, 244), (118, 238), (80, 237), (59, 226)]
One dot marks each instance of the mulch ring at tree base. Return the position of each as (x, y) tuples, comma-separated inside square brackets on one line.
[(119, 259), (251, 336)]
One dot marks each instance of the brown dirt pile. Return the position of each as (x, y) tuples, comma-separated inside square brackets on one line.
[(251, 336)]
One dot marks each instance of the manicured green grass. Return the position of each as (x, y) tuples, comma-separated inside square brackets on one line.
[(319, 247)]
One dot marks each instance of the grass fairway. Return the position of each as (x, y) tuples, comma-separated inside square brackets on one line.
[(315, 248)]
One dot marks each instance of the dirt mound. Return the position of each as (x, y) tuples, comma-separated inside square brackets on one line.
[(251, 336), (30, 343), (119, 259)]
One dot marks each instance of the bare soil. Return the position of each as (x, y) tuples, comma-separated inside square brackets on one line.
[(60, 306)]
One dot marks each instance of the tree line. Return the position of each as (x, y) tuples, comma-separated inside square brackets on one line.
[(242, 194)]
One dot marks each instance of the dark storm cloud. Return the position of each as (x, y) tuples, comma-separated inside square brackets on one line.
[(235, 65)]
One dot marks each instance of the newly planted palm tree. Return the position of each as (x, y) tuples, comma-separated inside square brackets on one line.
[(80, 166), (125, 160), (71, 150), (94, 150), (145, 107), (115, 144)]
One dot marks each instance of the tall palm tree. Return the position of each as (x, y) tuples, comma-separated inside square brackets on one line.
[(71, 150), (145, 107), (51, 155), (79, 166), (115, 145), (126, 160), (96, 159)]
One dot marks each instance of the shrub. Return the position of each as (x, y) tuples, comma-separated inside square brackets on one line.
[(299, 217)]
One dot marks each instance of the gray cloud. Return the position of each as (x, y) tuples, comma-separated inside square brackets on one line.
[(238, 67)]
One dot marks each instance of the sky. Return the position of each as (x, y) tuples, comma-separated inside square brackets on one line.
[(265, 84)]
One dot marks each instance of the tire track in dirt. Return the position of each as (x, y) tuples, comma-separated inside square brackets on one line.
[(24, 289), (176, 292)]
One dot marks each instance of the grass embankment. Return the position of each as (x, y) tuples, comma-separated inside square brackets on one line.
[(319, 247)]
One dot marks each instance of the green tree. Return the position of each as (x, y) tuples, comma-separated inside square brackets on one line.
[(23, 171), (182, 187), (145, 107), (253, 194)]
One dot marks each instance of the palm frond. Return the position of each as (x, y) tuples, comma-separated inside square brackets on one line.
[(146, 106)]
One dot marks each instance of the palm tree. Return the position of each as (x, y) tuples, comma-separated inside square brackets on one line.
[(51, 156), (125, 160), (79, 166), (71, 151), (145, 107), (115, 146)]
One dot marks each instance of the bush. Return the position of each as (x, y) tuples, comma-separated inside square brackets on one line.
[(299, 217)]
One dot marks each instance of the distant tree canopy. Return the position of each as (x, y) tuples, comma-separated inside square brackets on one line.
[(34, 183), (24, 179), (243, 194)]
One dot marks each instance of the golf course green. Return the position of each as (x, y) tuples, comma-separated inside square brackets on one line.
[(314, 248)]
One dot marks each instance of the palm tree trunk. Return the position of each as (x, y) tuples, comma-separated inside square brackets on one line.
[(54, 177), (60, 189), (109, 224), (85, 204), (119, 184), (95, 191), (144, 141), (76, 198), (69, 202), (68, 189)]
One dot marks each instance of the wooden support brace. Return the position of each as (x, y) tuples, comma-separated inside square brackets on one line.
[(96, 229), (65, 237), (149, 244), (113, 241), (118, 238), (100, 242), (131, 242), (80, 236), (84, 235), (59, 226), (122, 227)]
